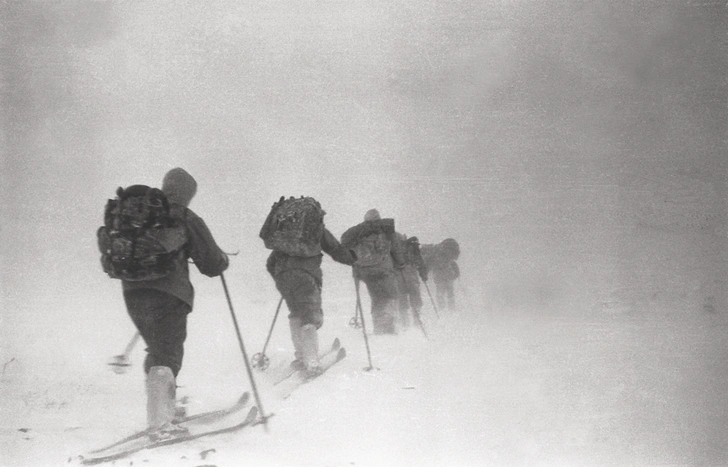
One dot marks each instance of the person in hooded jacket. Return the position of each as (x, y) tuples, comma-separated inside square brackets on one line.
[(299, 279), (159, 307), (379, 260)]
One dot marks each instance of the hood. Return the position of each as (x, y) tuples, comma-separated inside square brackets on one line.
[(372, 215), (179, 186)]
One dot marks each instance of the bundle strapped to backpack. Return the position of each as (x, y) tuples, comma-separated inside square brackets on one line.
[(371, 241), (139, 240), (438, 255), (294, 226)]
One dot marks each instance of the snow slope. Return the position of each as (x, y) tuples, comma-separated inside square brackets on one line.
[(512, 387)]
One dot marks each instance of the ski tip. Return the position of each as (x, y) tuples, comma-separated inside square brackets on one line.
[(244, 398), (341, 354), (336, 344)]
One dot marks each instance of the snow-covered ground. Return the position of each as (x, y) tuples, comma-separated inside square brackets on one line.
[(608, 384)]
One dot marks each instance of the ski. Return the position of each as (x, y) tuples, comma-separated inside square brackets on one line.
[(215, 415), (143, 443), (199, 418), (301, 377), (285, 371)]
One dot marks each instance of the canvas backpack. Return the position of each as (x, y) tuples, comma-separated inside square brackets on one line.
[(375, 248), (139, 240), (294, 226), (450, 249)]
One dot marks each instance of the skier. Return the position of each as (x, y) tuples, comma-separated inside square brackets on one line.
[(296, 270), (379, 260), (441, 260), (408, 281), (159, 307)]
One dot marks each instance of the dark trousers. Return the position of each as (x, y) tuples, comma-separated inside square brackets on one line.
[(382, 287), (445, 295), (161, 319), (302, 295), (408, 286)]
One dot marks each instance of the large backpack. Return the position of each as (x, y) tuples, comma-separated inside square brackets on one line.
[(450, 249), (294, 226), (374, 248), (139, 240)]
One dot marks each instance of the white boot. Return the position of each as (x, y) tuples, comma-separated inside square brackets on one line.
[(295, 325), (161, 389), (309, 346)]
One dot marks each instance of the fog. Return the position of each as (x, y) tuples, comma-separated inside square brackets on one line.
[(575, 149)]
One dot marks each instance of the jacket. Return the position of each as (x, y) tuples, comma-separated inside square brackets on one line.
[(412, 256), (279, 262), (210, 260), (445, 272), (385, 227)]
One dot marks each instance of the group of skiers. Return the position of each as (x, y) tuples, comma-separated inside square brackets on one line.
[(149, 235), (392, 266)]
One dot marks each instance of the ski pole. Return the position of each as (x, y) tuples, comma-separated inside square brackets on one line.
[(234, 253), (415, 312), (354, 321), (363, 326), (245, 355), (433, 301), (120, 362), (261, 360), (130, 346)]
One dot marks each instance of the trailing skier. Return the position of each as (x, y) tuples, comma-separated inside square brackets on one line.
[(295, 231), (441, 261), (146, 240)]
